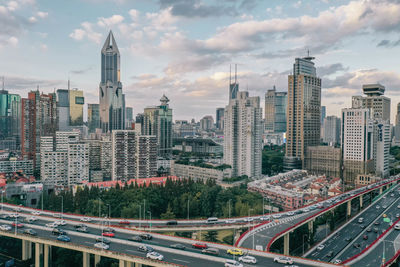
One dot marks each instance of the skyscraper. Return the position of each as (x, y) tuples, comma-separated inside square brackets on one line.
[(207, 123), (128, 117), (233, 86), (304, 112), (242, 135), (219, 118), (112, 101), (331, 130), (10, 116), (275, 111), (157, 120), (76, 102), (93, 117), (38, 118), (397, 125)]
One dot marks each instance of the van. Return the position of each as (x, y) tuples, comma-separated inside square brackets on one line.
[(397, 226), (212, 220), (360, 220), (232, 263), (172, 223)]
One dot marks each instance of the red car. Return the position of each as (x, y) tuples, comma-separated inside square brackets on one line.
[(124, 222), (108, 234), (199, 245), (19, 225)]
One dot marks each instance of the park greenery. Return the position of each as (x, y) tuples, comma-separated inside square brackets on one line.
[(164, 202), (272, 159)]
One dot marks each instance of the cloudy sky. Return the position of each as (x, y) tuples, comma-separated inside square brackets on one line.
[(183, 48)]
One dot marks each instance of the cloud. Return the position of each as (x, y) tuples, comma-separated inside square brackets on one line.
[(196, 8), (86, 31), (330, 69), (81, 71), (388, 43), (110, 22), (30, 83), (42, 14)]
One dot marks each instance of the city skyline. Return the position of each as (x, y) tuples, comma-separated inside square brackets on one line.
[(184, 50)]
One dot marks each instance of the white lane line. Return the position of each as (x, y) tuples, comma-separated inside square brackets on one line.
[(131, 250), (181, 260), (87, 242)]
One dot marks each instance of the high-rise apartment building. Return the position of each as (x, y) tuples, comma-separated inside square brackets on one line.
[(331, 130), (10, 116), (357, 143), (93, 117), (275, 111), (133, 155), (38, 118), (207, 123), (219, 118), (397, 125), (76, 102), (63, 109), (303, 112), (233, 86), (379, 106), (129, 117), (157, 120), (111, 99), (106, 158), (242, 135)]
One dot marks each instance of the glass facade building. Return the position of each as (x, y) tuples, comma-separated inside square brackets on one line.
[(10, 116)]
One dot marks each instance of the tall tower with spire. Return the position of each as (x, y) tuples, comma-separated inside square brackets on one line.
[(111, 99)]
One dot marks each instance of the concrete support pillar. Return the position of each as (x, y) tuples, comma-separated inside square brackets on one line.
[(380, 190), (97, 259), (121, 263), (46, 256), (86, 259), (37, 254), (138, 264), (361, 201), (129, 264), (311, 227), (26, 250), (349, 208), (286, 244)]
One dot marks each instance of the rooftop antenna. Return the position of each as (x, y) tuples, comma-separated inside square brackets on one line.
[(235, 73), (230, 73)]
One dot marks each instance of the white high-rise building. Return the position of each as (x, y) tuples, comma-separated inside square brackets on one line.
[(242, 135), (78, 162), (357, 143), (382, 134), (133, 155), (331, 130)]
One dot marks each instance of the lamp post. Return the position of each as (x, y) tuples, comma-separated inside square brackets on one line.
[(2, 201), (62, 206), (144, 209), (109, 214), (229, 208), (251, 227), (188, 209), (42, 198), (150, 219), (140, 215), (303, 243)]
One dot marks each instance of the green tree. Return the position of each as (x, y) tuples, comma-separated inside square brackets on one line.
[(211, 236)]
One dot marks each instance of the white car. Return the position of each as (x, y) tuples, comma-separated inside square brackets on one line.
[(233, 263), (5, 227), (306, 210), (155, 256), (14, 215), (61, 222), (101, 245), (397, 226), (249, 219), (264, 218), (248, 259), (285, 260), (230, 221), (290, 213), (276, 216), (35, 212), (31, 219), (51, 225), (86, 219), (337, 261), (320, 247)]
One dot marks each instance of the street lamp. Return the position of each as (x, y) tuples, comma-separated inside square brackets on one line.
[(140, 215), (303, 242), (62, 206), (109, 214), (150, 219), (2, 201), (251, 227), (229, 208), (188, 209)]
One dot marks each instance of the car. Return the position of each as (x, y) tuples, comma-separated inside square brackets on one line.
[(211, 251), (5, 227), (369, 229), (125, 222), (51, 225), (248, 219), (233, 263), (178, 246), (101, 245), (136, 238), (58, 231), (247, 259), (146, 236), (17, 224), (108, 234), (230, 221), (172, 223), (306, 210), (61, 222), (82, 229), (377, 207), (155, 256), (14, 215), (30, 232), (199, 245), (392, 195), (320, 247), (85, 219), (397, 215), (145, 248), (30, 219), (362, 226), (365, 237), (330, 254), (356, 245), (109, 229), (397, 226), (235, 251), (64, 238), (57, 215), (360, 220), (282, 259), (337, 261), (377, 223), (35, 212), (384, 206), (276, 216), (84, 225), (348, 239), (376, 229), (290, 213), (102, 239), (398, 206), (264, 218), (5, 216)]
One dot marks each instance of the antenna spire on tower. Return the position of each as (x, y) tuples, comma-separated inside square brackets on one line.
[(3, 84), (235, 73), (230, 74)]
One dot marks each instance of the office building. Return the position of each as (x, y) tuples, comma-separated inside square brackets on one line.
[(10, 116), (379, 106), (233, 86), (207, 123), (157, 121), (397, 126), (38, 118), (129, 117), (106, 158), (323, 114), (219, 118), (12, 165), (78, 163), (133, 155), (331, 130), (357, 143), (182, 128), (275, 111), (111, 99), (93, 117), (76, 102), (70, 104), (323, 160), (303, 112), (242, 135), (63, 109)]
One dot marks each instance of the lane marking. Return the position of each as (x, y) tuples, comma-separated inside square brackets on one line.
[(181, 260)]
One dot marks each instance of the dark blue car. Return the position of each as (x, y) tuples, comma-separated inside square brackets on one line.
[(64, 238)]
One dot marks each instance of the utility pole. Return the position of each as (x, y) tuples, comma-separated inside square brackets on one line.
[(188, 209)]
